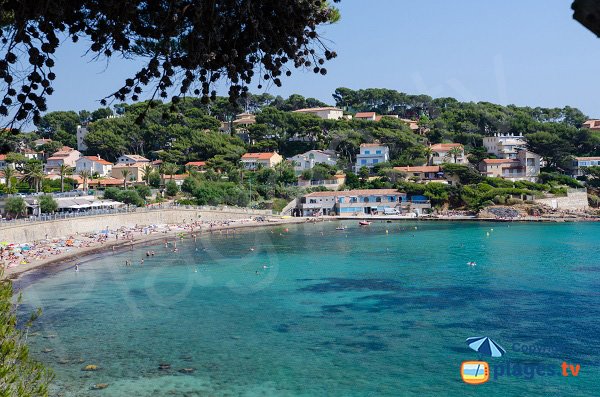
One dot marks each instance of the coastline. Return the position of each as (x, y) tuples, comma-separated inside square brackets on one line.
[(86, 254), (81, 255)]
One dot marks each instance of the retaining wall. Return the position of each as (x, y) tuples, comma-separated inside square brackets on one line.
[(64, 227), (574, 201)]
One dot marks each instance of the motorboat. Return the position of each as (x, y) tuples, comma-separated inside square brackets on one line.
[(364, 223)]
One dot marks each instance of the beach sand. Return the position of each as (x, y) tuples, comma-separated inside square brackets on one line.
[(54, 252)]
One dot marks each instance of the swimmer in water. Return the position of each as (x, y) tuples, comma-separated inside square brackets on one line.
[(142, 262), (76, 268), (265, 267), (252, 249)]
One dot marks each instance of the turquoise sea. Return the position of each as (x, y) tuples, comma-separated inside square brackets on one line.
[(382, 310)]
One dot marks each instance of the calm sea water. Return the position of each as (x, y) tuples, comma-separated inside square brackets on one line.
[(319, 312)]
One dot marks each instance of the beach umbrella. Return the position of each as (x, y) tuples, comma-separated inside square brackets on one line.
[(4, 243), (485, 346)]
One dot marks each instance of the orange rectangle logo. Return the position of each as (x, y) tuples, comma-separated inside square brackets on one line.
[(475, 372)]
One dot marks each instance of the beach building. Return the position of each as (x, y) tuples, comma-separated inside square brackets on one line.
[(307, 160), (325, 113), (130, 159), (65, 156), (93, 164), (592, 125), (579, 164), (427, 174), (368, 116), (254, 161), (359, 202), (370, 155), (333, 183), (444, 153), (525, 167), (504, 146), (82, 132), (134, 170)]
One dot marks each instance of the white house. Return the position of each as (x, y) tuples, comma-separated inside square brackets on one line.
[(525, 167), (129, 159), (3, 162), (579, 163), (325, 113), (442, 153), (93, 164), (370, 155), (306, 161), (254, 161), (504, 146), (66, 155)]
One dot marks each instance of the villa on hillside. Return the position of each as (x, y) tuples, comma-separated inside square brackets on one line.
[(525, 167), (135, 170), (307, 160), (130, 159), (358, 202), (241, 121), (370, 155), (593, 125), (3, 162), (65, 156), (254, 161), (580, 163), (93, 164), (195, 165), (325, 113), (368, 116), (504, 146), (333, 183), (427, 174), (443, 153)]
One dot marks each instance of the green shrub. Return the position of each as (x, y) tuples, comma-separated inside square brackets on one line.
[(47, 204), (172, 189), (143, 190)]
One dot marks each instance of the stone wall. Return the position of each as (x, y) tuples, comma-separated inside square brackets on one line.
[(26, 232), (575, 200)]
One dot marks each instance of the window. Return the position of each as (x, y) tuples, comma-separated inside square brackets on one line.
[(363, 162), (367, 152), (375, 161), (354, 199), (341, 200), (311, 156), (392, 199), (313, 201), (378, 152), (378, 199), (366, 200), (530, 162)]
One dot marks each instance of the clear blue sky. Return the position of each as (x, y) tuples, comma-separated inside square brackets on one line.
[(511, 51)]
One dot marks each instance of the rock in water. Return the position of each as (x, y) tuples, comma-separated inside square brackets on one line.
[(164, 366), (100, 386), (90, 367), (187, 370)]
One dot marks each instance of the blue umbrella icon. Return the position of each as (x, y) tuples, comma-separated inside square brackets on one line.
[(486, 346)]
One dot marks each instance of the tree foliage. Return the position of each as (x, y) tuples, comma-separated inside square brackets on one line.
[(189, 45)]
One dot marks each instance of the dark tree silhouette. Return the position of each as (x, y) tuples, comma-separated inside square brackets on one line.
[(189, 44)]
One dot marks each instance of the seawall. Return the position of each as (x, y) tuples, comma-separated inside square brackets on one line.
[(31, 231)]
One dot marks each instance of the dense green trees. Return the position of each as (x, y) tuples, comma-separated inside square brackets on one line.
[(48, 204), (20, 376), (15, 206)]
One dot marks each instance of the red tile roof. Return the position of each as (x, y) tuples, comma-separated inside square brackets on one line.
[(365, 115), (258, 156), (196, 163), (576, 158), (500, 161), (422, 169), (593, 124), (98, 160), (444, 147), (2, 157)]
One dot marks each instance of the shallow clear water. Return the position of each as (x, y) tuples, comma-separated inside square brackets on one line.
[(359, 312)]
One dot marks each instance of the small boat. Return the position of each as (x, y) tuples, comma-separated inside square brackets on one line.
[(340, 228), (364, 223)]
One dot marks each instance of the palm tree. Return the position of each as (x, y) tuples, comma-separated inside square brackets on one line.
[(33, 173), (125, 174), (63, 171), (9, 173), (170, 169), (428, 152), (85, 175), (455, 152), (147, 170)]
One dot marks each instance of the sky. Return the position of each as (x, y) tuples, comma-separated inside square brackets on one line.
[(527, 53)]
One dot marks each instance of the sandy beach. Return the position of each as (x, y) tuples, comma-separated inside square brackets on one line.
[(18, 259)]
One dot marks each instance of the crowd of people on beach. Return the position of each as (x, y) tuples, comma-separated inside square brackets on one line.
[(15, 254)]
